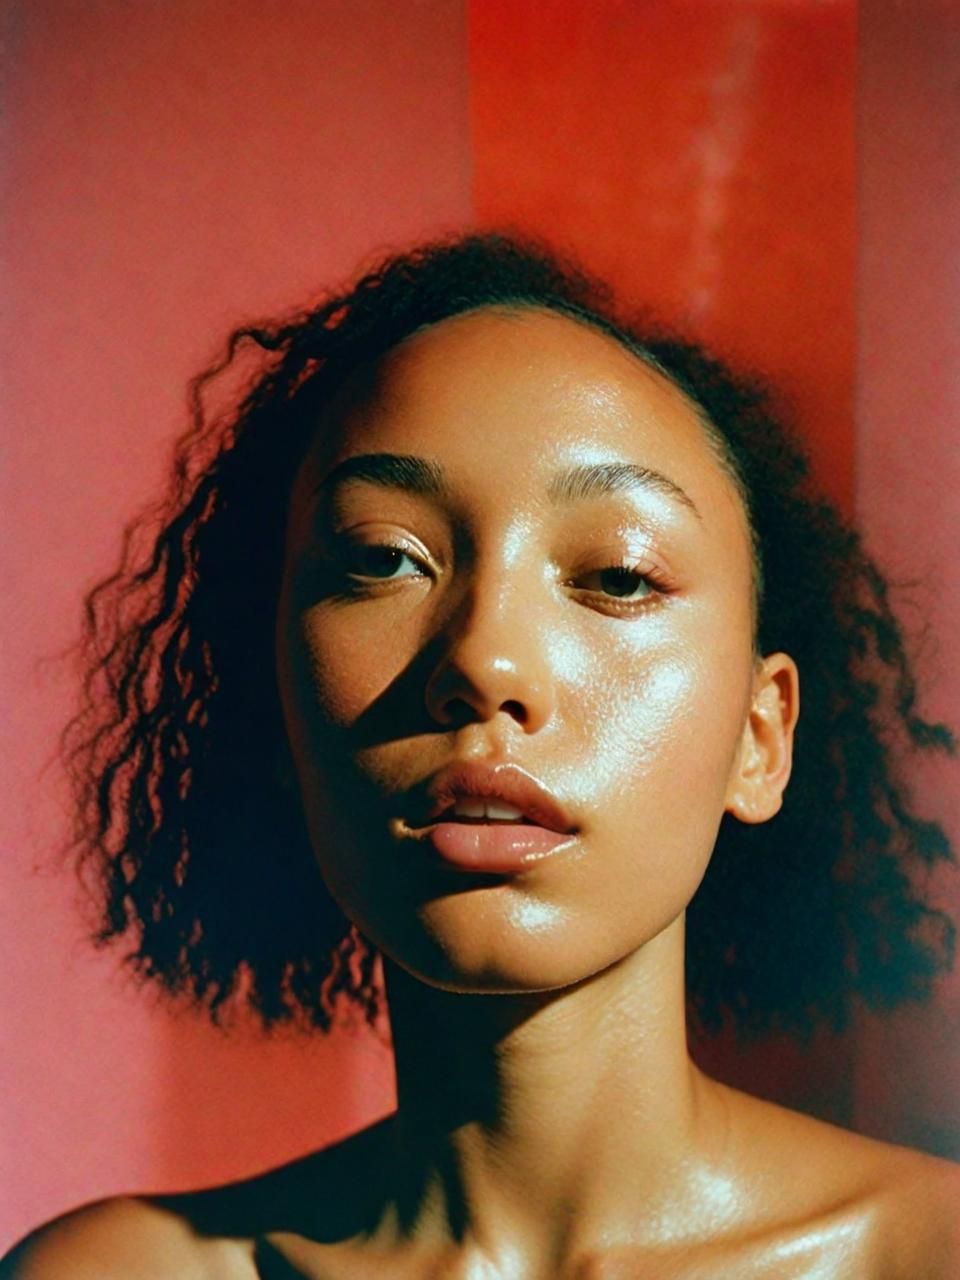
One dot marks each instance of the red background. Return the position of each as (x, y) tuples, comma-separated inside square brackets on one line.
[(175, 168)]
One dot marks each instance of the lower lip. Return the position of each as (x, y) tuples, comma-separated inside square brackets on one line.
[(493, 847)]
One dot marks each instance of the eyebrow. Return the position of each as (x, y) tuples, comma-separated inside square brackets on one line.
[(588, 480), (420, 476), (388, 471)]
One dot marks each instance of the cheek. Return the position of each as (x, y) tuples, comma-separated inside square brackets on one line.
[(657, 756), (660, 761), (672, 711), (331, 671)]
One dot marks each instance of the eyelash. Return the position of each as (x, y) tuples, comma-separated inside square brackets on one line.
[(656, 587), (359, 584), (355, 549)]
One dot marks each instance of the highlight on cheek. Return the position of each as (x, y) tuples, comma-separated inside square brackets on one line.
[(656, 706)]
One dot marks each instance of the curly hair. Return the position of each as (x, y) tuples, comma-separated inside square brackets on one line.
[(199, 851)]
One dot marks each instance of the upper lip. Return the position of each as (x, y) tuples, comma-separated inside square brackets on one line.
[(506, 782)]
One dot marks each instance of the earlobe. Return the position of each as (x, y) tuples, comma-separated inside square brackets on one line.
[(761, 769)]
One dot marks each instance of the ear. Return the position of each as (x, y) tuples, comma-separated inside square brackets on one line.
[(761, 768)]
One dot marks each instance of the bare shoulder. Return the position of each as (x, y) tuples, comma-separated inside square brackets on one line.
[(125, 1238), (213, 1233), (896, 1209), (919, 1212)]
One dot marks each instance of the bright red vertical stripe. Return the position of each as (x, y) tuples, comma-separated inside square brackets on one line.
[(699, 154)]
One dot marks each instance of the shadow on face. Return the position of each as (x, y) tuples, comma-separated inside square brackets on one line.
[(514, 543)]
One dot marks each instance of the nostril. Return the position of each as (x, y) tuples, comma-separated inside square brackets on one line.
[(457, 711), (458, 693)]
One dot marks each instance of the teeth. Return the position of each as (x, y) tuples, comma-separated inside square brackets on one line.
[(475, 808), (470, 809), (495, 810)]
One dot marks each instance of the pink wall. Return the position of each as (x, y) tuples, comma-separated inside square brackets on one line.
[(908, 469), (174, 167)]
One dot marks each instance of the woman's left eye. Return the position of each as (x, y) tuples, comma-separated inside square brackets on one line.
[(620, 582)]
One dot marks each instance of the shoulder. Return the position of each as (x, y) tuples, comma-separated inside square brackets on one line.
[(123, 1238), (918, 1213), (887, 1210), (210, 1234)]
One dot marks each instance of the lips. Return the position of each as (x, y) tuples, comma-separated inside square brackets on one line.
[(470, 842), (505, 783)]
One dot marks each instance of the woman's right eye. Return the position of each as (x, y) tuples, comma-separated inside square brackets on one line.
[(378, 562)]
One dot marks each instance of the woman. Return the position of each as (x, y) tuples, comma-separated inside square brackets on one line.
[(492, 609)]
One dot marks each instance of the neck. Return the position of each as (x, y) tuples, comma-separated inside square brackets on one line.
[(519, 1115)]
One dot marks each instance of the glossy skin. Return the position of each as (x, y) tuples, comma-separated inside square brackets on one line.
[(551, 1123), (509, 644)]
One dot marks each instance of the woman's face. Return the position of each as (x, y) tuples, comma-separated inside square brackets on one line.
[(596, 635)]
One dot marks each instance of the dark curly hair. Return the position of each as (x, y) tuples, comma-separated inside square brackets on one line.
[(200, 851)]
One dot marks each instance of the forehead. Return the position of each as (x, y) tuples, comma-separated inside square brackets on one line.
[(509, 395)]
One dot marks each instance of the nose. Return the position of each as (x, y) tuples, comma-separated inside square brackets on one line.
[(492, 659)]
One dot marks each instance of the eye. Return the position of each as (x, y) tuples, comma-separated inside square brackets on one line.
[(378, 561), (620, 581), (624, 589)]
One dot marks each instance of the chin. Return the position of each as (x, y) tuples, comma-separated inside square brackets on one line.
[(479, 944)]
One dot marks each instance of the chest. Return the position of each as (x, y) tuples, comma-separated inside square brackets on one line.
[(816, 1253)]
